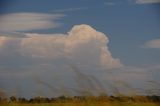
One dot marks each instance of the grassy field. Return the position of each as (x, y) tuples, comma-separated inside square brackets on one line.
[(83, 101), (83, 104)]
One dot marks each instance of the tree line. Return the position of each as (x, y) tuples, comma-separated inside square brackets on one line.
[(61, 99)]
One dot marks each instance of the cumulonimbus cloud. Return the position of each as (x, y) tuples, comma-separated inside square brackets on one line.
[(51, 56), (82, 46), (155, 43), (28, 21)]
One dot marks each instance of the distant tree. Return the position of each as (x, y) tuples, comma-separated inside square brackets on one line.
[(13, 99), (62, 97), (154, 98), (47, 100), (22, 100), (40, 100), (52, 100), (31, 100)]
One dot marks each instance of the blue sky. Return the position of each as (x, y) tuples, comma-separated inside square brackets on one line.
[(127, 24), (132, 27)]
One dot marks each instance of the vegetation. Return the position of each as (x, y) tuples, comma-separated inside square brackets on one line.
[(83, 101)]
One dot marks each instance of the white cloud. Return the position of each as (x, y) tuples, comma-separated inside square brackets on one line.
[(49, 56), (28, 21), (70, 9), (82, 46), (155, 43), (146, 1), (12, 34), (110, 3), (2, 41), (85, 40)]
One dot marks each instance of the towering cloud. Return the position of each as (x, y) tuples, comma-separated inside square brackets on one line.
[(82, 46)]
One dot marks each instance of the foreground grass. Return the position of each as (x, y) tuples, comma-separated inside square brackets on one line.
[(84, 104), (84, 101)]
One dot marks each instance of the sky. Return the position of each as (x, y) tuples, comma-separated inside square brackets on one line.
[(54, 47)]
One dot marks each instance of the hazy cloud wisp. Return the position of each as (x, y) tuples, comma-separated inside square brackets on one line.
[(28, 21), (146, 1), (155, 43)]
